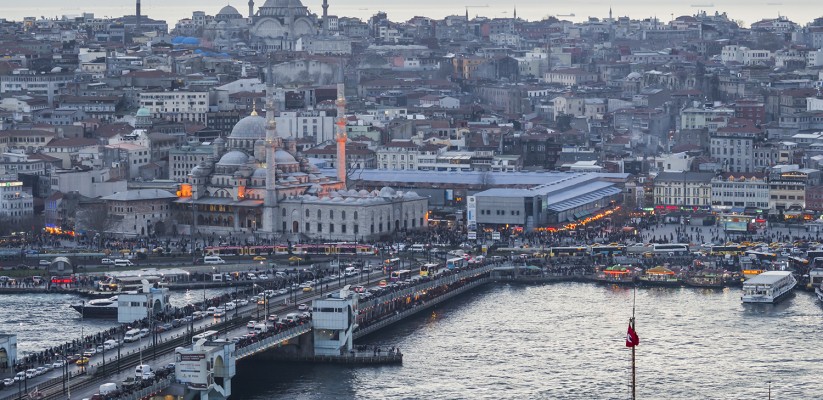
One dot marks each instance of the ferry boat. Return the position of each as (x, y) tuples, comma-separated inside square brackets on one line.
[(659, 276), (98, 308), (707, 279), (768, 287)]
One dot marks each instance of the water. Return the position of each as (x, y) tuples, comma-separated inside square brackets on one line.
[(45, 320), (567, 341)]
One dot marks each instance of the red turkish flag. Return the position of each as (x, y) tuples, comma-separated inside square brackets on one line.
[(631, 338)]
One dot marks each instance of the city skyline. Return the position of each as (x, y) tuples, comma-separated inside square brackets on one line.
[(746, 12)]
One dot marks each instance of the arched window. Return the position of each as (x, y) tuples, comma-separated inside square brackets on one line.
[(283, 212), (355, 215), (307, 215)]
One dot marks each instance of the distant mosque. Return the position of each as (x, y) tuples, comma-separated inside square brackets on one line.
[(277, 25), (256, 182)]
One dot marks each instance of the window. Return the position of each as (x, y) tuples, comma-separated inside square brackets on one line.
[(331, 228), (343, 215), (307, 214), (319, 227), (318, 214), (331, 214)]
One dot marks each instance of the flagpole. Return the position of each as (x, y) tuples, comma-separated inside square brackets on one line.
[(631, 323)]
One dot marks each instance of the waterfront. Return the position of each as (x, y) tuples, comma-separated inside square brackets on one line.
[(42, 320), (566, 341)]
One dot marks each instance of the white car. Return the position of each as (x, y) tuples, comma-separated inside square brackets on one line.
[(8, 381), (58, 364), (262, 276), (107, 261), (41, 370), (243, 302), (303, 307)]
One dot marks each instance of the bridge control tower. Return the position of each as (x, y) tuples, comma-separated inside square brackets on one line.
[(206, 369), (334, 323)]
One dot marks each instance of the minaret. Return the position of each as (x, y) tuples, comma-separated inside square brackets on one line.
[(137, 15), (251, 9), (610, 14), (514, 15), (325, 17), (270, 202), (341, 128)]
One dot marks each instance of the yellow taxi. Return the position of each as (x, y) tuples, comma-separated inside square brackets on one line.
[(307, 289), (82, 361), (259, 258)]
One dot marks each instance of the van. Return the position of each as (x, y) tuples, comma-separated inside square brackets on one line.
[(143, 371), (107, 388), (418, 248), (260, 328), (213, 260), (132, 336), (123, 263)]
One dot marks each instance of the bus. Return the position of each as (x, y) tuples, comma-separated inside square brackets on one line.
[(674, 248), (457, 262), (210, 336), (390, 264), (728, 250), (400, 275), (576, 251), (430, 269), (609, 250), (761, 256)]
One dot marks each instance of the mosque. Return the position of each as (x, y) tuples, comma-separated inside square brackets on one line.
[(255, 182), (277, 25)]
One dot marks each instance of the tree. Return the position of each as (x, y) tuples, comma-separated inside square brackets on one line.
[(94, 219), (564, 122)]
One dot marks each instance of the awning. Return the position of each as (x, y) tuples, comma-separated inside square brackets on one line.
[(738, 210)]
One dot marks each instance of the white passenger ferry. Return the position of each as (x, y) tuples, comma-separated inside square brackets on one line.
[(768, 287)]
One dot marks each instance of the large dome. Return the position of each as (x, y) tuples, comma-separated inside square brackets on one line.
[(233, 158), (251, 127), (229, 11)]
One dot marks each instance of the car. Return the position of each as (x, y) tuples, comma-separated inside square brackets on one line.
[(259, 258), (45, 263), (307, 289), (107, 261), (282, 291), (273, 318), (20, 376), (219, 313), (242, 302), (302, 306), (89, 352), (82, 361), (251, 324), (41, 370), (262, 276), (294, 260), (8, 381), (58, 364), (73, 357), (31, 373)]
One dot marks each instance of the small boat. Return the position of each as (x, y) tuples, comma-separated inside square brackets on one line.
[(97, 308), (660, 276), (617, 274), (707, 279), (768, 287)]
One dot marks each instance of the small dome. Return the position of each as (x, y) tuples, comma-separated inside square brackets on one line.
[(259, 173), (634, 76), (283, 157), (251, 127), (234, 158), (220, 140), (387, 192), (143, 112)]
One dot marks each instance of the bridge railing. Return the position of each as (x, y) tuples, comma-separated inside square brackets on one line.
[(446, 280), (271, 341), (149, 390)]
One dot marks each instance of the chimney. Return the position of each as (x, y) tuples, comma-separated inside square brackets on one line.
[(137, 23)]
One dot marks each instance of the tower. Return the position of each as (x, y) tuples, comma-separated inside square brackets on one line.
[(514, 15), (137, 15), (341, 137), (325, 17), (270, 201), (251, 9)]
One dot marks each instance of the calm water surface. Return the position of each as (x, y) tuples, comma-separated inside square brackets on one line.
[(566, 341)]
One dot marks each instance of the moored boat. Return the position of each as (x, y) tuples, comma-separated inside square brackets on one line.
[(660, 276), (617, 274), (98, 308), (707, 279), (768, 287)]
